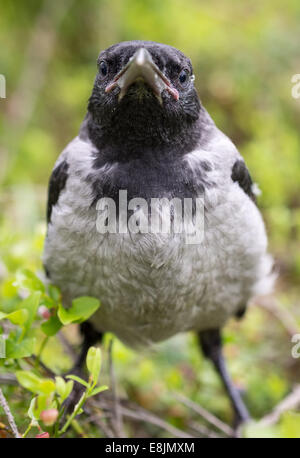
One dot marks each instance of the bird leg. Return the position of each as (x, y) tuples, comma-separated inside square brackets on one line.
[(90, 337), (212, 348)]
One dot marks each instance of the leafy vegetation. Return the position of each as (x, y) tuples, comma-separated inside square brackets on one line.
[(244, 57)]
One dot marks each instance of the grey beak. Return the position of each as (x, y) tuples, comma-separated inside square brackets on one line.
[(141, 66)]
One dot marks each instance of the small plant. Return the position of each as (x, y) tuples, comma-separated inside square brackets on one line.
[(47, 406), (30, 310)]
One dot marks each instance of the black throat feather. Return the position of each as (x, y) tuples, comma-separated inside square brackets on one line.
[(140, 125)]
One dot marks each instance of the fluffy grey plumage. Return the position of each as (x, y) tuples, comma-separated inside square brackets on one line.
[(153, 286)]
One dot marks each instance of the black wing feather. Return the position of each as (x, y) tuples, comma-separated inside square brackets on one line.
[(241, 174), (56, 185)]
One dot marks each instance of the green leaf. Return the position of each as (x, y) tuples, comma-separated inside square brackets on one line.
[(19, 317), (19, 349), (98, 390), (54, 293), (8, 288), (33, 383), (9, 305), (78, 379), (93, 362), (29, 380), (69, 388), (31, 304), (47, 386), (82, 308), (60, 385), (63, 388), (28, 280), (48, 302), (51, 326), (31, 409)]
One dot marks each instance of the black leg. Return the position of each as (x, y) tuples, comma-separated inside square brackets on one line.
[(212, 348), (90, 337)]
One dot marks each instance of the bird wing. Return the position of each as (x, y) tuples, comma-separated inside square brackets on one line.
[(56, 185), (241, 175)]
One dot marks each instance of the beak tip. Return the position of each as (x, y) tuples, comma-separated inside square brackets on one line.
[(141, 57)]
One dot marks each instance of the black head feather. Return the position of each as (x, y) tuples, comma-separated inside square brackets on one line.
[(138, 122)]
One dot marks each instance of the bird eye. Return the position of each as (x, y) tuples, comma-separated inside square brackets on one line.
[(183, 76), (103, 68)]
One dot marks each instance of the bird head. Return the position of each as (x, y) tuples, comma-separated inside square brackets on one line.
[(143, 93)]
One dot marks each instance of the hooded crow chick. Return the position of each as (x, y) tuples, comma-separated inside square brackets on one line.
[(146, 134)]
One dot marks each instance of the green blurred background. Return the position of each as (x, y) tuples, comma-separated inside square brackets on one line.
[(244, 56)]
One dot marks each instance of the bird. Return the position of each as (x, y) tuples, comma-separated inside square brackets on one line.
[(146, 134)]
